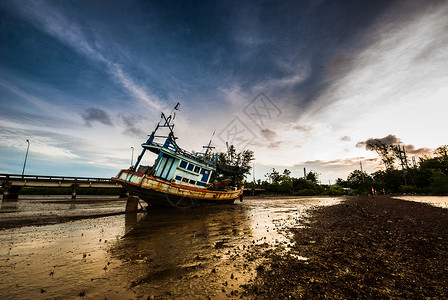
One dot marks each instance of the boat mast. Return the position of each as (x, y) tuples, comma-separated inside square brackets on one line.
[(167, 123)]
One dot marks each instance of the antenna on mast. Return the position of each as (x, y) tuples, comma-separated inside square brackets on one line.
[(175, 108), (209, 147)]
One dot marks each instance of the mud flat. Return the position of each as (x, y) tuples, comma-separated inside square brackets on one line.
[(374, 248), (201, 253), (36, 210)]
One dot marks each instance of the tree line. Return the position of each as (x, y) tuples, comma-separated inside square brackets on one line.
[(427, 175), (284, 183)]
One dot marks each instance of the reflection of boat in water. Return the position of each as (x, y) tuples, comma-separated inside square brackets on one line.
[(178, 178), (181, 254)]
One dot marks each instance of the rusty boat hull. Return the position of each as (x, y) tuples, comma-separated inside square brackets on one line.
[(162, 193)]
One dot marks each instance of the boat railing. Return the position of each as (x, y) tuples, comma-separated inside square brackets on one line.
[(209, 159)]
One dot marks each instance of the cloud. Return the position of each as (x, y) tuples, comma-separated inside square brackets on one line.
[(270, 140), (339, 63), (138, 91), (268, 134), (337, 163), (84, 41), (130, 121), (93, 114), (370, 144), (303, 128), (31, 100), (43, 143), (18, 118), (391, 139), (410, 149), (399, 59)]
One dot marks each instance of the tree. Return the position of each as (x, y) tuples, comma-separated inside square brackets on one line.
[(336, 190), (341, 182), (441, 151), (238, 162), (359, 181), (389, 180), (439, 183), (286, 173), (385, 151), (312, 176), (273, 176)]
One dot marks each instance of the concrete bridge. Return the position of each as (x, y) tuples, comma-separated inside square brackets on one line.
[(253, 191), (12, 183)]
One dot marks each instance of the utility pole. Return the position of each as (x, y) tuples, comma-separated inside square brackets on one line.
[(26, 156), (362, 172), (253, 172), (132, 156)]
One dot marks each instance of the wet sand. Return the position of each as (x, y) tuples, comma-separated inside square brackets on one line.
[(373, 248), (209, 252), (303, 247), (36, 210)]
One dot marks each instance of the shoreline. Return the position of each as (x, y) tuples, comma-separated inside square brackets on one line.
[(364, 247), (50, 220), (55, 217), (47, 210)]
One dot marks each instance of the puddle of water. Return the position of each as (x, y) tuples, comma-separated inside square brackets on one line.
[(30, 206), (193, 253), (440, 201)]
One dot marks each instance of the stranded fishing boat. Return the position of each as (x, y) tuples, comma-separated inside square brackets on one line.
[(178, 178)]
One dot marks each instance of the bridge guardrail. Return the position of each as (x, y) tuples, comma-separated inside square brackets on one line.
[(53, 178)]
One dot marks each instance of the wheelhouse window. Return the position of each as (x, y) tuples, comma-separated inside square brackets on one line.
[(183, 164), (190, 167)]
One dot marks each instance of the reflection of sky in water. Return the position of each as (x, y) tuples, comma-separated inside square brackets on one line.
[(201, 252), (439, 201), (271, 216), (30, 206), (29, 255)]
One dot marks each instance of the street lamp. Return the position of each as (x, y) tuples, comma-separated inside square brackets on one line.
[(26, 156), (132, 156)]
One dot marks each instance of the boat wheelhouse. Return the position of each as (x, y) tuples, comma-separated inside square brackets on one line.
[(178, 178)]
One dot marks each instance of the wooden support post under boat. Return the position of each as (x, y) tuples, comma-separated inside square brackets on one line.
[(10, 193), (132, 204), (124, 193), (74, 189)]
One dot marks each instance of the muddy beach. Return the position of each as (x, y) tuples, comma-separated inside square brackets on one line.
[(310, 247), (372, 248), (36, 210), (208, 252)]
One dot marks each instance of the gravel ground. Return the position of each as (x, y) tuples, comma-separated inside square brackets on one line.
[(362, 248)]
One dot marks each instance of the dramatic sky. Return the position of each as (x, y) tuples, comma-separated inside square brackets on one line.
[(302, 83)]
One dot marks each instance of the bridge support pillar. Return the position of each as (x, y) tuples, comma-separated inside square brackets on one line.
[(124, 193), (74, 189), (132, 204), (11, 193)]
